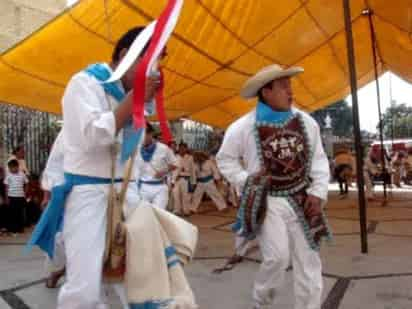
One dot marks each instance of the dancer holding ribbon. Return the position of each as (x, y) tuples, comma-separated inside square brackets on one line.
[(96, 126), (103, 110)]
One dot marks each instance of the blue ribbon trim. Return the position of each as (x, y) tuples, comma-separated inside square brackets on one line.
[(170, 251), (171, 257), (173, 263)]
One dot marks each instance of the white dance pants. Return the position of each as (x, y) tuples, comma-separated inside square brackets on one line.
[(182, 198), (84, 234), (211, 190), (282, 240), (157, 195)]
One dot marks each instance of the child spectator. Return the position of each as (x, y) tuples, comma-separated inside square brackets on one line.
[(15, 182)]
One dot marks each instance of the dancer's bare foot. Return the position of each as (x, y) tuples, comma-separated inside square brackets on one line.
[(53, 279)]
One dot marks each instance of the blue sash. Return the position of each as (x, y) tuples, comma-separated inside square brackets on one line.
[(154, 182), (51, 220), (205, 179), (190, 187)]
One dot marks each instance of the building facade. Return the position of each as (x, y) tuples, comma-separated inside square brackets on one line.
[(19, 18), (23, 127)]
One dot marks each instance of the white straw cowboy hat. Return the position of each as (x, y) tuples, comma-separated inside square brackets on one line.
[(254, 84)]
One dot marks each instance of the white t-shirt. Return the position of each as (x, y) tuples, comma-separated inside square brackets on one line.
[(15, 184)]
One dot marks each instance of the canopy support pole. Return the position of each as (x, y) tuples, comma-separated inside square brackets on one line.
[(368, 12), (392, 106), (357, 133)]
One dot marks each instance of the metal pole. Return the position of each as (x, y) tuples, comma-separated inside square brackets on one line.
[(355, 111), (392, 105), (369, 13)]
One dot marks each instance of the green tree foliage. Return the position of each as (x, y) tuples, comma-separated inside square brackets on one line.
[(341, 115), (397, 121)]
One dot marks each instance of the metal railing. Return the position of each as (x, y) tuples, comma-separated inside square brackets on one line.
[(33, 130), (197, 135)]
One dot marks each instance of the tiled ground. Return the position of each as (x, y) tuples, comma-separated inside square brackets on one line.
[(380, 280)]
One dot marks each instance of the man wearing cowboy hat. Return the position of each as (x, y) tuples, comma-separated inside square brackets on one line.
[(280, 145)]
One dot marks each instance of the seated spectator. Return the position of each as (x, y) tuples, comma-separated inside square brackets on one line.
[(19, 155)]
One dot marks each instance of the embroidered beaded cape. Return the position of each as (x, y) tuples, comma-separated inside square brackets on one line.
[(286, 156)]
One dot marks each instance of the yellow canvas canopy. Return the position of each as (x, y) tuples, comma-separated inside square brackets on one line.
[(216, 46)]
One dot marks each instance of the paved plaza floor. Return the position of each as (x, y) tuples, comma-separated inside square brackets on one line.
[(382, 279)]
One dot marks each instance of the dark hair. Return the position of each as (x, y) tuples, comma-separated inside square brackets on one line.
[(260, 94), (34, 177), (126, 41), (17, 149), (149, 128), (13, 163)]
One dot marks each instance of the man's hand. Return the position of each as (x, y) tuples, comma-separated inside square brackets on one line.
[(152, 85), (160, 174), (46, 198), (123, 113), (256, 176), (313, 206), (260, 173)]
